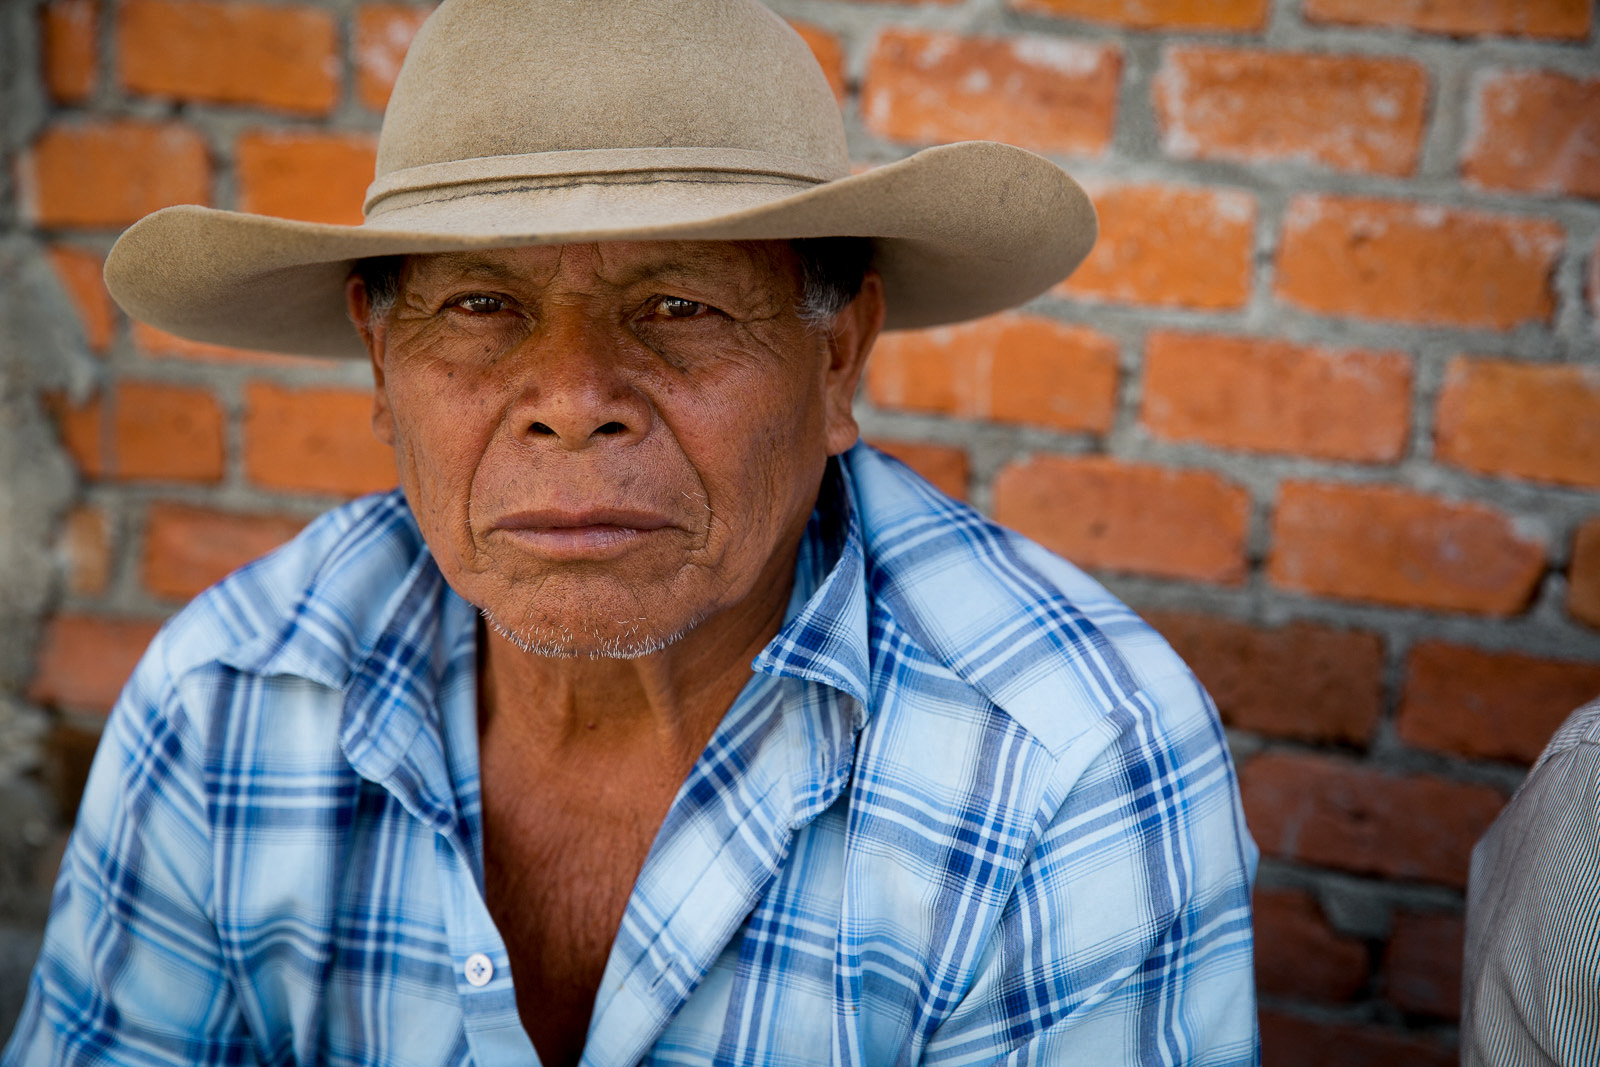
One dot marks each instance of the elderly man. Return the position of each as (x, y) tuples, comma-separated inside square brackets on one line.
[(653, 719)]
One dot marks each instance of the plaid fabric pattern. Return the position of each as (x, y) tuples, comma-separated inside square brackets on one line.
[(969, 809)]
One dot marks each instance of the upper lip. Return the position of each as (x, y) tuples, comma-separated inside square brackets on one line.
[(561, 519)]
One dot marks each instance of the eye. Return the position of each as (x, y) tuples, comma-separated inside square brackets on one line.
[(676, 307), (478, 304)]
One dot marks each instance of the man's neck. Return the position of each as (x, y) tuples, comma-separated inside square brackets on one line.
[(669, 701)]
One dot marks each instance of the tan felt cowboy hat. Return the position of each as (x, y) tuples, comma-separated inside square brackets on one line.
[(519, 122)]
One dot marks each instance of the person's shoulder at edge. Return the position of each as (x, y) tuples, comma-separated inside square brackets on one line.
[(329, 585), (1008, 616)]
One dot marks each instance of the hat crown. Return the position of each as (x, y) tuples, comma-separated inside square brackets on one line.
[(488, 78)]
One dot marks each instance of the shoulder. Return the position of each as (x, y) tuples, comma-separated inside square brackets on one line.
[(1026, 629), (302, 607)]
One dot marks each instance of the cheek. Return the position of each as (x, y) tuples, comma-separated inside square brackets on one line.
[(442, 429)]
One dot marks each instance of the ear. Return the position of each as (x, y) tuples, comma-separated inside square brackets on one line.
[(375, 336), (850, 339)]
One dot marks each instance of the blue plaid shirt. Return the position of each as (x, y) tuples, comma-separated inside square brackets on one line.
[(969, 809)]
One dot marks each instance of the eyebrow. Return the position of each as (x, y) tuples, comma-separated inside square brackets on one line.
[(476, 263)]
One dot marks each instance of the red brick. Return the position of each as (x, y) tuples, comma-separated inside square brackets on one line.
[(383, 33), (167, 433), (1289, 1041), (69, 31), (1496, 705), (1043, 93), (830, 56), (187, 549), (297, 174), (1417, 263), (1299, 955), (159, 344), (1538, 132), (109, 174), (945, 466), (1350, 113), (1422, 965), (1537, 421), (1583, 577), (1303, 681), (86, 546), (1098, 512), (1393, 546), (314, 439), (278, 56), (1176, 246), (1568, 19), (80, 274), (1335, 813), (1010, 368), (82, 428), (1263, 395), (1157, 14), (84, 660)]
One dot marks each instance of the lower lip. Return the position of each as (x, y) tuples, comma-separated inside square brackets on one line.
[(576, 542)]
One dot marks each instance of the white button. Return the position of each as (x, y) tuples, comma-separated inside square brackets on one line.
[(479, 969)]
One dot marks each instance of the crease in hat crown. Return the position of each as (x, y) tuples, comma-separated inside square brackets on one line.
[(504, 95)]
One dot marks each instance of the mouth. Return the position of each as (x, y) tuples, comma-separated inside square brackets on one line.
[(590, 534)]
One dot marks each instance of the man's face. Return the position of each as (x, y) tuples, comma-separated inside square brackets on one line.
[(607, 444)]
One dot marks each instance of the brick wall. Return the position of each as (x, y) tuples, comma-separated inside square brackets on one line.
[(1324, 402)]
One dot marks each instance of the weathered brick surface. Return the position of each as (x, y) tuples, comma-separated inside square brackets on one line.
[(318, 177), (85, 659), (1264, 395), (947, 467), (167, 433), (111, 173), (1489, 705), (1561, 19), (1416, 262), (1120, 516), (1290, 1041), (159, 344), (1157, 14), (1351, 113), (314, 440), (68, 32), (383, 32), (1303, 681), (1538, 131), (1039, 92), (82, 429), (1533, 421), (1299, 955), (1395, 546), (279, 56), (86, 546), (187, 549), (1180, 246), (1011, 368), (1334, 812), (1422, 965), (79, 271), (1583, 577)]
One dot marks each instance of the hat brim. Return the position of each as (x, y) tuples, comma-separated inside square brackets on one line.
[(959, 231)]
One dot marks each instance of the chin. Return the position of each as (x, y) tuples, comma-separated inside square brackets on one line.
[(588, 638)]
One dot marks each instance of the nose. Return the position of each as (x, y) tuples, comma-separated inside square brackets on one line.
[(578, 392)]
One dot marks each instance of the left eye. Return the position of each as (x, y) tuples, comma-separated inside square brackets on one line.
[(676, 307), (479, 304)]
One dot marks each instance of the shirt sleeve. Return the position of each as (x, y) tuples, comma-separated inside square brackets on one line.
[(131, 971), (1531, 993), (1127, 939)]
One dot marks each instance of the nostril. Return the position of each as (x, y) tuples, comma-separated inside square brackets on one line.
[(612, 428), (542, 429)]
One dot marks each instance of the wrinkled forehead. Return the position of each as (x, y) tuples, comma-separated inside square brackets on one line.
[(770, 265)]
